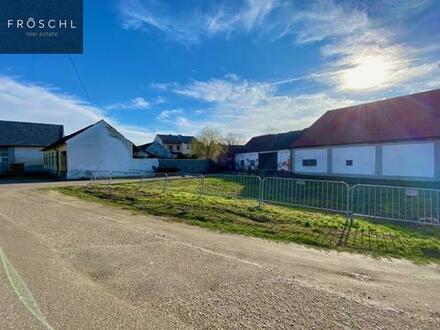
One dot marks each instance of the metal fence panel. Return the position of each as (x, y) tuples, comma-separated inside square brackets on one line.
[(316, 194), (408, 204), (240, 186)]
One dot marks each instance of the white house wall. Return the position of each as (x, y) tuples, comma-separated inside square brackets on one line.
[(320, 154), (284, 160), (382, 161), (410, 160), (99, 148), (363, 158), (247, 157)]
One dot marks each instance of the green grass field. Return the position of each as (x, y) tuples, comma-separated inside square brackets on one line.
[(223, 212)]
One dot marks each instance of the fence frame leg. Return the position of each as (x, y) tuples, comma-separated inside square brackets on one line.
[(202, 186), (165, 183), (260, 191), (140, 182)]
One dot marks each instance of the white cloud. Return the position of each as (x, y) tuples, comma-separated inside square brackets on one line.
[(160, 100), (364, 50), (189, 26), (169, 115), (250, 108), (137, 103), (348, 33), (29, 102)]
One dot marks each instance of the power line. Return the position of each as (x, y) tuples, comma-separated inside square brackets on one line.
[(80, 81)]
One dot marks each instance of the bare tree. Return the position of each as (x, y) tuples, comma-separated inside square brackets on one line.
[(272, 130), (208, 145), (231, 139)]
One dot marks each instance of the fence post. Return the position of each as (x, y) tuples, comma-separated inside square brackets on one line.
[(140, 181), (165, 182), (260, 191), (110, 177), (350, 210), (202, 186)]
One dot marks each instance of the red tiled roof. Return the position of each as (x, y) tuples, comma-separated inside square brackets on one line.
[(409, 117)]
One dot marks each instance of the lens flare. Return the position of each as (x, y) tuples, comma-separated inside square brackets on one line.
[(369, 72)]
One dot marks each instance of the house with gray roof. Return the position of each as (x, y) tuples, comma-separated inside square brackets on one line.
[(155, 149), (21, 144), (270, 152), (180, 146)]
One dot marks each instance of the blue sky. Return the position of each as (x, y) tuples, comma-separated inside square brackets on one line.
[(247, 67)]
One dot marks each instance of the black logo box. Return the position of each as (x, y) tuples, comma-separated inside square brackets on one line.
[(41, 26)]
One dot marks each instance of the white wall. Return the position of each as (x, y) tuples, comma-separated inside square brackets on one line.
[(363, 157), (247, 157), (320, 154), (99, 148), (32, 157), (284, 160), (412, 159)]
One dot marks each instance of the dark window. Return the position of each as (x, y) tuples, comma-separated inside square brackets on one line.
[(242, 162), (349, 162), (252, 162), (309, 162), (177, 148)]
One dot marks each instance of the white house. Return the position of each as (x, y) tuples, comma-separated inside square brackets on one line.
[(98, 147), (267, 152), (178, 145), (21, 144), (397, 138)]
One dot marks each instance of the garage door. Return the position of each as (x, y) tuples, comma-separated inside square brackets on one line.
[(267, 161)]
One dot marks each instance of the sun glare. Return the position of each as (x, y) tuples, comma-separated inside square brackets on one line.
[(369, 72)]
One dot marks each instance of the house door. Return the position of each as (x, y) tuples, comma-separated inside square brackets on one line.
[(267, 161), (63, 163)]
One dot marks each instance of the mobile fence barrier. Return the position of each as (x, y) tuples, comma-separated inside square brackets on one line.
[(393, 203), (405, 204), (316, 194)]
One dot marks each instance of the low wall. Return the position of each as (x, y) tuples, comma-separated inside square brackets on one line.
[(144, 165), (186, 165)]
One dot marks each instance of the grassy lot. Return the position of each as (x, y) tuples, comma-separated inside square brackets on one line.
[(280, 223)]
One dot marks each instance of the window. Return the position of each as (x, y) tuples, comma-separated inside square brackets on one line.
[(252, 162), (178, 148), (242, 163), (349, 162), (4, 157), (309, 162)]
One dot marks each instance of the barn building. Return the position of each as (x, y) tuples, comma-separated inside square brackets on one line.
[(397, 138), (21, 144), (267, 152), (98, 147)]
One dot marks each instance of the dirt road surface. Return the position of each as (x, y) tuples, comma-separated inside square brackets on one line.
[(87, 266)]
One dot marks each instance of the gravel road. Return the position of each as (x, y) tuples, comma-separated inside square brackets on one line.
[(89, 266)]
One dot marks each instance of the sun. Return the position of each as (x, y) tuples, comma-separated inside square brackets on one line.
[(369, 72)]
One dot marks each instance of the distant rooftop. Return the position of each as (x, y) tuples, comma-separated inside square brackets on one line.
[(271, 142), (176, 139), (24, 134)]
